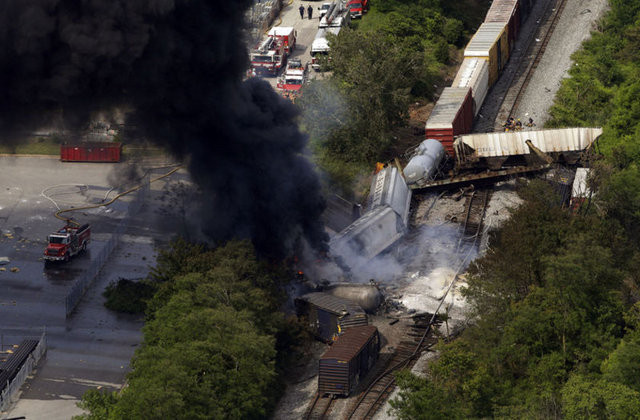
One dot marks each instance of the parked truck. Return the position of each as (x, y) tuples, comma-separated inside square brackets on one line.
[(67, 242), (287, 35), (320, 45), (357, 8), (336, 16), (290, 84), (269, 57)]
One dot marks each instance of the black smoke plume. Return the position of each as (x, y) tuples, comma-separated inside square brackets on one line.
[(179, 65)]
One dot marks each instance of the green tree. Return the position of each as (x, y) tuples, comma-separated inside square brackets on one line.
[(419, 398), (586, 398), (209, 363), (623, 365), (212, 340)]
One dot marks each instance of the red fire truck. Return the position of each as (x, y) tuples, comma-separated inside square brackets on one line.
[(67, 242), (287, 35), (269, 57), (290, 84), (357, 8)]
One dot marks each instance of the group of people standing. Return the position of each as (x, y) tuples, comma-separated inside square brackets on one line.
[(309, 11)]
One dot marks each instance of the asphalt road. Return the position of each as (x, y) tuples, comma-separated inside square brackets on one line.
[(306, 28), (94, 346)]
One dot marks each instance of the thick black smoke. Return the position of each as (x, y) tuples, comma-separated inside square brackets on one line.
[(179, 64)]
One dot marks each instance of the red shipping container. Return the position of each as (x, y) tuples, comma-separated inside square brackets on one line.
[(90, 152), (451, 116)]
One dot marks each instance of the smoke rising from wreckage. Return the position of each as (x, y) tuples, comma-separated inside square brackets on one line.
[(178, 64)]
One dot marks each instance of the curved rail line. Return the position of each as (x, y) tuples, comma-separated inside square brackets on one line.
[(373, 397)]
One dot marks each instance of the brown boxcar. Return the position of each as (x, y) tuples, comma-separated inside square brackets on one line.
[(348, 360), (506, 11), (90, 152), (451, 116), (328, 315)]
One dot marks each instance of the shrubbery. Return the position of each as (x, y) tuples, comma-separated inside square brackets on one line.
[(556, 325), (128, 296), (215, 341), (396, 54)]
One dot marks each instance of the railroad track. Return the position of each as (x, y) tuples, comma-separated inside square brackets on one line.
[(417, 337), (476, 208), (524, 73), (417, 340), (320, 407)]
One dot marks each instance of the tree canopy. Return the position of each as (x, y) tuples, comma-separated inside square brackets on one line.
[(214, 341), (554, 327)]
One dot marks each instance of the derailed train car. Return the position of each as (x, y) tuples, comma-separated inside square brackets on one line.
[(493, 150), (330, 315), (348, 361), (425, 163), (485, 56), (498, 151), (384, 222)]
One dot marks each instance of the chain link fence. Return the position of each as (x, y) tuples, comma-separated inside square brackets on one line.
[(10, 392), (83, 283)]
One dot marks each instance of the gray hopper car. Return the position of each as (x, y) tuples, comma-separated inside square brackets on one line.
[(348, 361), (329, 315)]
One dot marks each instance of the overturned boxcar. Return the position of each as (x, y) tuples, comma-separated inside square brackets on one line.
[(384, 222), (348, 361)]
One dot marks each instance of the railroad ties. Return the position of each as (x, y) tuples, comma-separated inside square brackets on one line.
[(476, 206), (320, 407), (418, 338), (529, 62)]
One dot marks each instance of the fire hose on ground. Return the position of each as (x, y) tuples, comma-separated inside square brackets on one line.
[(114, 199)]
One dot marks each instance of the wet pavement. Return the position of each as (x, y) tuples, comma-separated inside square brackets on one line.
[(94, 346)]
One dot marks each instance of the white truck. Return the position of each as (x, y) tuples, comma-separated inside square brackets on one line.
[(320, 45), (336, 16)]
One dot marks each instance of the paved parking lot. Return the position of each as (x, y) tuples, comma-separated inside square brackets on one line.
[(307, 29), (94, 346)]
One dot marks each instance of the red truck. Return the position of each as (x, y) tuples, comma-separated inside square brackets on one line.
[(269, 57), (357, 8), (67, 242), (292, 80), (287, 35)]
